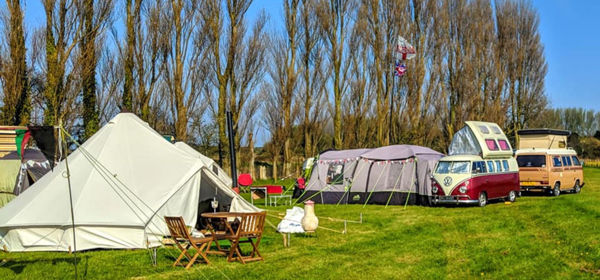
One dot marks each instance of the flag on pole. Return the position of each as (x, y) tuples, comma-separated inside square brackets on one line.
[(21, 139), (404, 50), (400, 69)]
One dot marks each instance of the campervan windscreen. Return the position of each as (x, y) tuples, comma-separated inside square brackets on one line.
[(532, 160), (454, 167)]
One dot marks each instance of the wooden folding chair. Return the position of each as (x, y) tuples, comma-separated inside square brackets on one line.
[(250, 231), (182, 237)]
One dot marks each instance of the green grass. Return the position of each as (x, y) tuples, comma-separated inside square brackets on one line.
[(537, 237)]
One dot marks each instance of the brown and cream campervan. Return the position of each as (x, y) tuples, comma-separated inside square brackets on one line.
[(546, 163)]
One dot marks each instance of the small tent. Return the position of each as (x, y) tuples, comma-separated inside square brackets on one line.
[(16, 174), (395, 174), (124, 180)]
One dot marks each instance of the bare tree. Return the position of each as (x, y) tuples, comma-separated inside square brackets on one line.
[(13, 68), (334, 17), (184, 66), (224, 51), (94, 17)]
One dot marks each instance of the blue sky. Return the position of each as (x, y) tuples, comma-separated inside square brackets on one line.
[(570, 32)]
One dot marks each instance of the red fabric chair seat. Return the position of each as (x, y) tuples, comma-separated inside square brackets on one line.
[(245, 180), (272, 189)]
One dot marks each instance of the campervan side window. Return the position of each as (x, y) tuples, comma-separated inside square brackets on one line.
[(498, 166), (503, 145), (455, 167), (491, 144), (505, 163), (576, 161), (479, 167), (484, 129), (335, 173), (566, 161), (557, 162), (496, 130), (490, 166), (531, 161)]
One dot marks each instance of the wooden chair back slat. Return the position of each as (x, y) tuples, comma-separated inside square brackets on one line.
[(251, 224), (177, 227)]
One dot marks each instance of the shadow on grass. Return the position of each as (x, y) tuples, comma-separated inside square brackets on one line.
[(17, 266), (547, 193), (468, 205)]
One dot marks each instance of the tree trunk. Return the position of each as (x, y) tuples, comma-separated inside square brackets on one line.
[(17, 103), (88, 74), (252, 156), (126, 102)]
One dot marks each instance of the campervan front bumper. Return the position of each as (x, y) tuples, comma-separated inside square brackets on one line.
[(454, 199)]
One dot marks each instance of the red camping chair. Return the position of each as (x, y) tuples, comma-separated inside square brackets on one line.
[(244, 182)]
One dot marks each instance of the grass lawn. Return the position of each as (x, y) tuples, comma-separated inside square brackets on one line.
[(536, 237)]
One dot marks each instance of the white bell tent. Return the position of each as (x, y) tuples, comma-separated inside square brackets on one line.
[(124, 180), (214, 167)]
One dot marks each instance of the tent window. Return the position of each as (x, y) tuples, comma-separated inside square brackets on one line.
[(335, 173), (491, 144), (503, 145), (215, 170), (484, 129)]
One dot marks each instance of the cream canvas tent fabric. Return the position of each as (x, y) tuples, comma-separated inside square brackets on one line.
[(124, 179), (214, 167)]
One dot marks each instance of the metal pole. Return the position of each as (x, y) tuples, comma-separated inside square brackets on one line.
[(66, 150), (232, 149)]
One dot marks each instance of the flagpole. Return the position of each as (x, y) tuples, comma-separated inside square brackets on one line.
[(66, 151)]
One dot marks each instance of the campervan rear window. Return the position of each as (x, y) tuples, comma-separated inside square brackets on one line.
[(531, 161), (491, 144), (503, 145), (455, 167)]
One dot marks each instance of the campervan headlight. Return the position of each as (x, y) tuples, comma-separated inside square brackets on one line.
[(462, 189), (434, 189)]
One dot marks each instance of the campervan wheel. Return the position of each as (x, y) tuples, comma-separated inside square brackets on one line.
[(577, 187), (512, 196), (482, 199), (556, 190)]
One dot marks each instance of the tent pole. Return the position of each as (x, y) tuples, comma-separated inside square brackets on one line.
[(66, 150), (395, 184), (376, 182), (412, 182)]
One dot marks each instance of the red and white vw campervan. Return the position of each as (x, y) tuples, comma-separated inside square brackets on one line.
[(479, 168)]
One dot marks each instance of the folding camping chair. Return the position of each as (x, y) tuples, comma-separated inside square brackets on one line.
[(182, 237), (250, 228)]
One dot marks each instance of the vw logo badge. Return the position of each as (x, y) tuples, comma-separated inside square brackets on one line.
[(447, 181)]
